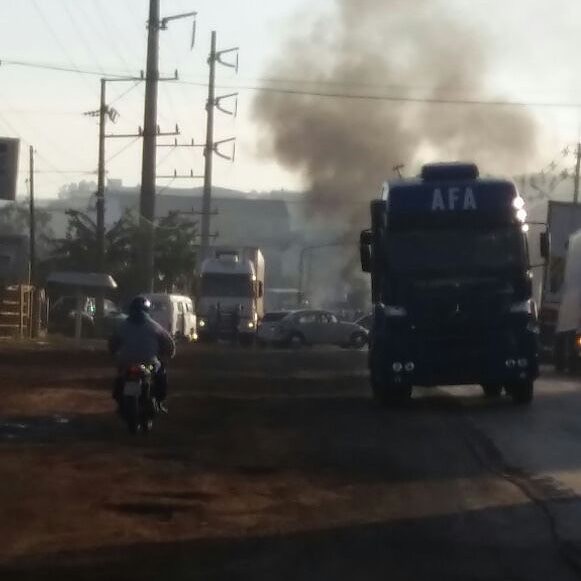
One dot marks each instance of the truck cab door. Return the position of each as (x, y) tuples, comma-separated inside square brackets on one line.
[(323, 329), (308, 326), (181, 319), (332, 329)]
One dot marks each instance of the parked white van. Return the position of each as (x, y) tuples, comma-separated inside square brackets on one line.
[(175, 313)]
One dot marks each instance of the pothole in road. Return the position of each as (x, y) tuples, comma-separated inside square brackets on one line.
[(257, 470), (162, 511), (24, 428)]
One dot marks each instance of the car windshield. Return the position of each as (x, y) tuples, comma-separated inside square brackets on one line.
[(457, 251), (273, 317), (159, 306), (227, 285)]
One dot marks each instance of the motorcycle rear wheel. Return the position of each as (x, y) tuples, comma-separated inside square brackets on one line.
[(131, 413)]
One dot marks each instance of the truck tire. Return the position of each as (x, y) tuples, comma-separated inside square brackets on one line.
[(558, 358), (522, 393), (492, 390), (358, 340), (296, 341), (246, 340), (572, 357)]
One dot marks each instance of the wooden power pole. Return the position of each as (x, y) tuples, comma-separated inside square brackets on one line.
[(32, 218), (147, 199)]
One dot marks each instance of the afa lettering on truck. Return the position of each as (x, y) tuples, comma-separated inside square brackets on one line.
[(453, 198), (451, 285)]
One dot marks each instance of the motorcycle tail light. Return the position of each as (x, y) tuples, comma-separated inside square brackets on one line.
[(135, 371)]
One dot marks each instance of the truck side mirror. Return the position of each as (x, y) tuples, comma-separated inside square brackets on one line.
[(545, 240), (365, 250)]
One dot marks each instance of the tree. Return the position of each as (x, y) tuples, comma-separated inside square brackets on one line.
[(175, 250), (82, 189), (15, 219), (78, 249)]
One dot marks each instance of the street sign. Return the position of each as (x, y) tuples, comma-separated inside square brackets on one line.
[(9, 149)]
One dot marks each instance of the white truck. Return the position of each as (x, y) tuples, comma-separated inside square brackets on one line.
[(567, 353), (563, 220), (231, 294)]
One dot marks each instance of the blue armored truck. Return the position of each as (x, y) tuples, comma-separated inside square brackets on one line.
[(451, 286)]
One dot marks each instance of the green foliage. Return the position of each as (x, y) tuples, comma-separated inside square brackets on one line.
[(175, 250)]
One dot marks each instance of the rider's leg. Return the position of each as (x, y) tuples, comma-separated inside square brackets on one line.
[(160, 381)]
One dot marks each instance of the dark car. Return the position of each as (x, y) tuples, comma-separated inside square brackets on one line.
[(62, 315)]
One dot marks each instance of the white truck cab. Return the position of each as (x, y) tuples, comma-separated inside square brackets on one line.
[(231, 294)]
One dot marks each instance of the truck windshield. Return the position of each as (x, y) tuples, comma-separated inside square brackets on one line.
[(227, 285), (457, 251)]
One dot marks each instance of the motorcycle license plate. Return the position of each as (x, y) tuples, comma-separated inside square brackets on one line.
[(132, 389)]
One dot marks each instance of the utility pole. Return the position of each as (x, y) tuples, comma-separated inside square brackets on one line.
[(577, 174), (100, 262), (209, 151), (103, 113), (213, 147), (32, 218), (147, 199)]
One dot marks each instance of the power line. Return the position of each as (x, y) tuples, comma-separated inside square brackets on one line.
[(47, 136), (55, 170), (61, 68), (80, 35), (65, 172), (56, 37), (101, 8), (126, 92), (42, 112), (162, 160), (325, 94), (393, 98), (123, 149)]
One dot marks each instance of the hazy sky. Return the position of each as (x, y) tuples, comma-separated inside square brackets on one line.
[(534, 47)]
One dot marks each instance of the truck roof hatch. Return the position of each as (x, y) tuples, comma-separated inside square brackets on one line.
[(437, 172)]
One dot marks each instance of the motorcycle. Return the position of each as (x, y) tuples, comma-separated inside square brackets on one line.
[(138, 406)]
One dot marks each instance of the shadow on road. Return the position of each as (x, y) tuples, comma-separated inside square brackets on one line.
[(489, 544)]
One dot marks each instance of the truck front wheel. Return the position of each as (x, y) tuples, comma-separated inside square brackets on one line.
[(492, 390), (522, 393), (559, 353), (246, 340)]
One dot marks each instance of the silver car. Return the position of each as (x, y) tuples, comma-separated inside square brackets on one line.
[(266, 332), (311, 327)]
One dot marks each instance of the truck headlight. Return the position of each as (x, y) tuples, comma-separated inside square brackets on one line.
[(202, 323), (524, 307), (251, 324), (394, 311)]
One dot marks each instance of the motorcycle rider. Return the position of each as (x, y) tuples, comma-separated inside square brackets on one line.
[(141, 340)]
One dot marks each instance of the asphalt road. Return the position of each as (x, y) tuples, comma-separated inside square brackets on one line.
[(278, 465)]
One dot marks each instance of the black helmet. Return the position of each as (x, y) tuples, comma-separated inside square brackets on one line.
[(139, 305)]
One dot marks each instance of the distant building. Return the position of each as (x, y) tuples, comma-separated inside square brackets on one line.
[(241, 219)]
